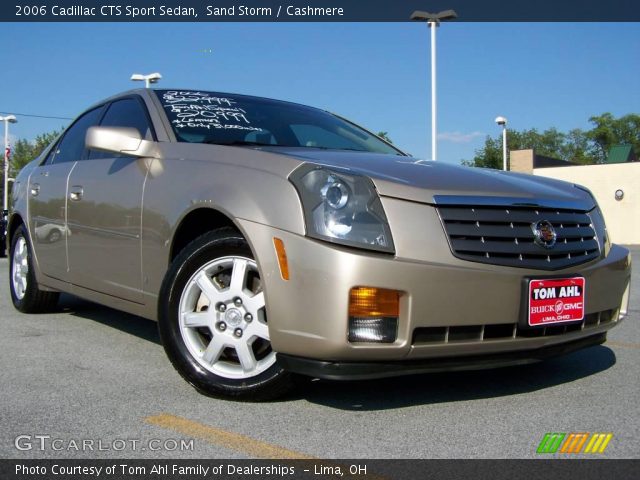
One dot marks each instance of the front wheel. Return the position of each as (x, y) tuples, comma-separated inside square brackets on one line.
[(213, 321)]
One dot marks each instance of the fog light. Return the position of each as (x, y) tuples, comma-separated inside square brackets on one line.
[(375, 330), (373, 315)]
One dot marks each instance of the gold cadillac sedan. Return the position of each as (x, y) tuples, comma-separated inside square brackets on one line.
[(269, 239)]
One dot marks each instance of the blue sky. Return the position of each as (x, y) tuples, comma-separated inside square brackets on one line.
[(538, 75)]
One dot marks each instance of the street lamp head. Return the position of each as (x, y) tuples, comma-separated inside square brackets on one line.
[(433, 17), (147, 79), (9, 118), (154, 77), (151, 78), (501, 121)]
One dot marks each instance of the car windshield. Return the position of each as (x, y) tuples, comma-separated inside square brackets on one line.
[(239, 120)]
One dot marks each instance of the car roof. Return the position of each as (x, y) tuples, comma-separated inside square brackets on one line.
[(147, 91)]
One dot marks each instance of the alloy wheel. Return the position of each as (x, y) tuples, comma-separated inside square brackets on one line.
[(20, 268), (222, 318)]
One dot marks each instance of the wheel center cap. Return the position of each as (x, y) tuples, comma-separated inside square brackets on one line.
[(233, 317)]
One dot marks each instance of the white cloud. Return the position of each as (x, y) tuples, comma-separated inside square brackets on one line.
[(459, 137)]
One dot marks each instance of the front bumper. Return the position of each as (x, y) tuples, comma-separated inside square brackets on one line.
[(370, 370), (308, 314)]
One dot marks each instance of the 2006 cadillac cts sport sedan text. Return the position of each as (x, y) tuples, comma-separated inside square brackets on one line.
[(270, 238)]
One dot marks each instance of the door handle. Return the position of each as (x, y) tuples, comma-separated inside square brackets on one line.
[(75, 193), (35, 189)]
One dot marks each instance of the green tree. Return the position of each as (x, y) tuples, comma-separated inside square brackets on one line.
[(489, 156), (23, 151), (576, 146), (551, 142), (609, 131), (384, 136)]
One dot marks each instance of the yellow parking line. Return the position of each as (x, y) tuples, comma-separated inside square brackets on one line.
[(250, 446), (229, 440), (622, 344)]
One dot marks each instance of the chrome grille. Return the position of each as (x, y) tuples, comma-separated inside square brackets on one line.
[(504, 236)]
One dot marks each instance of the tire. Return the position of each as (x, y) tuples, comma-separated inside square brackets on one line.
[(220, 341), (25, 294), (54, 236)]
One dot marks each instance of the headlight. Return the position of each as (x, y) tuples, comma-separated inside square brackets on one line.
[(342, 208)]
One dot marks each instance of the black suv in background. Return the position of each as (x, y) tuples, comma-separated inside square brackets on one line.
[(3, 232)]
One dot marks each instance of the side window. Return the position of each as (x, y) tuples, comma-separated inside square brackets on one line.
[(127, 112), (71, 147), (50, 155)]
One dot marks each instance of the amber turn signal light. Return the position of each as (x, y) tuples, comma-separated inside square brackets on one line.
[(282, 258), (374, 302)]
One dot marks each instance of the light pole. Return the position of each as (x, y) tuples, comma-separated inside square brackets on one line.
[(148, 79), (503, 123), (7, 120), (433, 21)]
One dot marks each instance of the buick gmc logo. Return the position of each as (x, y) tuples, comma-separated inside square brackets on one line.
[(544, 234)]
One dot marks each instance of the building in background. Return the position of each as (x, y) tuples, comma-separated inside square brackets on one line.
[(621, 154), (615, 184)]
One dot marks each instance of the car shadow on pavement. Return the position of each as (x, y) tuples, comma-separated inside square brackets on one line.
[(424, 389), (125, 322), (397, 392)]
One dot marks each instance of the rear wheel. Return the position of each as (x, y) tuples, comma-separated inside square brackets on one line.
[(25, 293), (213, 321)]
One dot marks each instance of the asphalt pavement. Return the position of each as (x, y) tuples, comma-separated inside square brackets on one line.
[(92, 382)]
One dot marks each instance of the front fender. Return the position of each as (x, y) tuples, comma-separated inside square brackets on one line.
[(237, 191)]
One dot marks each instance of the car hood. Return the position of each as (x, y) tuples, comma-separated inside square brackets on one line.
[(439, 182)]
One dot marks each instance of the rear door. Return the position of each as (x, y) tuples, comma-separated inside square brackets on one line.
[(48, 197), (105, 214)]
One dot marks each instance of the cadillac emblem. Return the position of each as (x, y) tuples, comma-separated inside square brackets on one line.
[(544, 234)]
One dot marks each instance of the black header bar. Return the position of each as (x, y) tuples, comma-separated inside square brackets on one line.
[(167, 469), (316, 10)]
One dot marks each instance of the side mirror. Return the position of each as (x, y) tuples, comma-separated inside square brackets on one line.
[(122, 140)]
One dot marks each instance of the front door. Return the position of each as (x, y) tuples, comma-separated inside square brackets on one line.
[(47, 193), (105, 212)]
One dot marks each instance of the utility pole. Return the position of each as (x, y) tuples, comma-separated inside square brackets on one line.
[(7, 120), (503, 123), (433, 21)]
